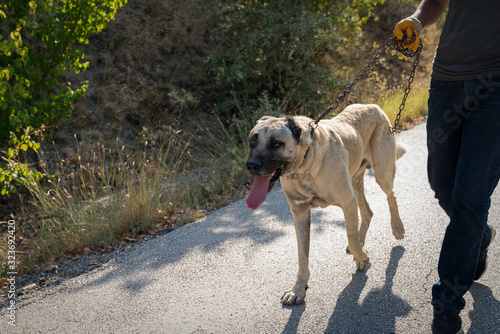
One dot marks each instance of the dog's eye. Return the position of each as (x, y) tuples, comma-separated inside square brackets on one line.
[(276, 144), (252, 142)]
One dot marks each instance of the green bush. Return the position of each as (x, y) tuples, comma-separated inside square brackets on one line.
[(283, 48), (40, 41)]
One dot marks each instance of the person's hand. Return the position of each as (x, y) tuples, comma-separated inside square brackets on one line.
[(409, 25)]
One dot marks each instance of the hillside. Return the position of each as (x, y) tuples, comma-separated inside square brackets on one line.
[(147, 69)]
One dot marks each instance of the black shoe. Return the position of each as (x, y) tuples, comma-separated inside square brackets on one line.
[(482, 264), (446, 322)]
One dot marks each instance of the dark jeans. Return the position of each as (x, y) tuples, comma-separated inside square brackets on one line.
[(463, 140)]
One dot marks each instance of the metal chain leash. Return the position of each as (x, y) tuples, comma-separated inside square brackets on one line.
[(399, 45), (408, 88)]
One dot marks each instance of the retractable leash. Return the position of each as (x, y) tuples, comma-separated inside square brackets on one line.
[(399, 45)]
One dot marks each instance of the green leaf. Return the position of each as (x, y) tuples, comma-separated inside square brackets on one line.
[(31, 67)]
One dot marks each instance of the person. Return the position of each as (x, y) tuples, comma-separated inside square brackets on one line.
[(463, 141)]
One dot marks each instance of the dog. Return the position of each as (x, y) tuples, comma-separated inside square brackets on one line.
[(325, 167)]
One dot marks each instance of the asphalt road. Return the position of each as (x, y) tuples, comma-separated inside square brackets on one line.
[(227, 272)]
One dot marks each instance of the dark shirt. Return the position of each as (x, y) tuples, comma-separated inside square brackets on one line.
[(469, 47)]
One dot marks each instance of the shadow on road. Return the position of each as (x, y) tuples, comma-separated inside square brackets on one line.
[(379, 309), (294, 320), (219, 231), (484, 316), (223, 227)]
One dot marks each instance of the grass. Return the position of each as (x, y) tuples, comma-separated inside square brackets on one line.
[(415, 106), (117, 196)]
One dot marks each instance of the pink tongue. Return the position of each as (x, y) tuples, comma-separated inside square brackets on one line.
[(258, 193)]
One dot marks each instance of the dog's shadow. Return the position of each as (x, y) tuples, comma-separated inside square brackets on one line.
[(294, 320), (377, 312)]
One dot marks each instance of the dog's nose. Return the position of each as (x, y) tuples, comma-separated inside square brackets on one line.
[(253, 166)]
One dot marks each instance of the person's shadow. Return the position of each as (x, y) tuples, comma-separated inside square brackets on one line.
[(379, 309), (484, 316)]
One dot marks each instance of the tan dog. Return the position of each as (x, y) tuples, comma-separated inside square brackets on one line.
[(325, 169)]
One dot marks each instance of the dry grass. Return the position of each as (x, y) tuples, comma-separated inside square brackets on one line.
[(117, 195), (151, 50), (415, 106)]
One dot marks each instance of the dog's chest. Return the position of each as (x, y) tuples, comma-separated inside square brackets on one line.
[(306, 193), (319, 202)]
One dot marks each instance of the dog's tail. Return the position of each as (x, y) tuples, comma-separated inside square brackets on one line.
[(400, 150)]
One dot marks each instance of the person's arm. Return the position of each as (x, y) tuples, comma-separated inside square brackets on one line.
[(427, 13)]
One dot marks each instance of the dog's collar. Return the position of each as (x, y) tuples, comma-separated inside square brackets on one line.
[(312, 136)]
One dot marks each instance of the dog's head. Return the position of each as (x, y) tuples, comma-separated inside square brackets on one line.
[(274, 145)]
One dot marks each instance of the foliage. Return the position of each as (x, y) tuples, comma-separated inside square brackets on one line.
[(282, 47), (40, 41), (14, 170)]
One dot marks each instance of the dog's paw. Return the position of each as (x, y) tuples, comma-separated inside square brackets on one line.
[(292, 298), (361, 262)]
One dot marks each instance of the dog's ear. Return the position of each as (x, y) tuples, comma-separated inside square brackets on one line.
[(294, 128)]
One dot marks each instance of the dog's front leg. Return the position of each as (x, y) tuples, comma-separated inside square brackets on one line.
[(353, 243), (302, 222)]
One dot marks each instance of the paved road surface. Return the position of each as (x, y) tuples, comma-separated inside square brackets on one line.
[(226, 273)]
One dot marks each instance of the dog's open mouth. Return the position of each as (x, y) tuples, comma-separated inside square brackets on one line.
[(262, 185), (276, 175)]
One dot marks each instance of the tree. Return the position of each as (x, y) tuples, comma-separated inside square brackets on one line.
[(39, 41), (282, 49)]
